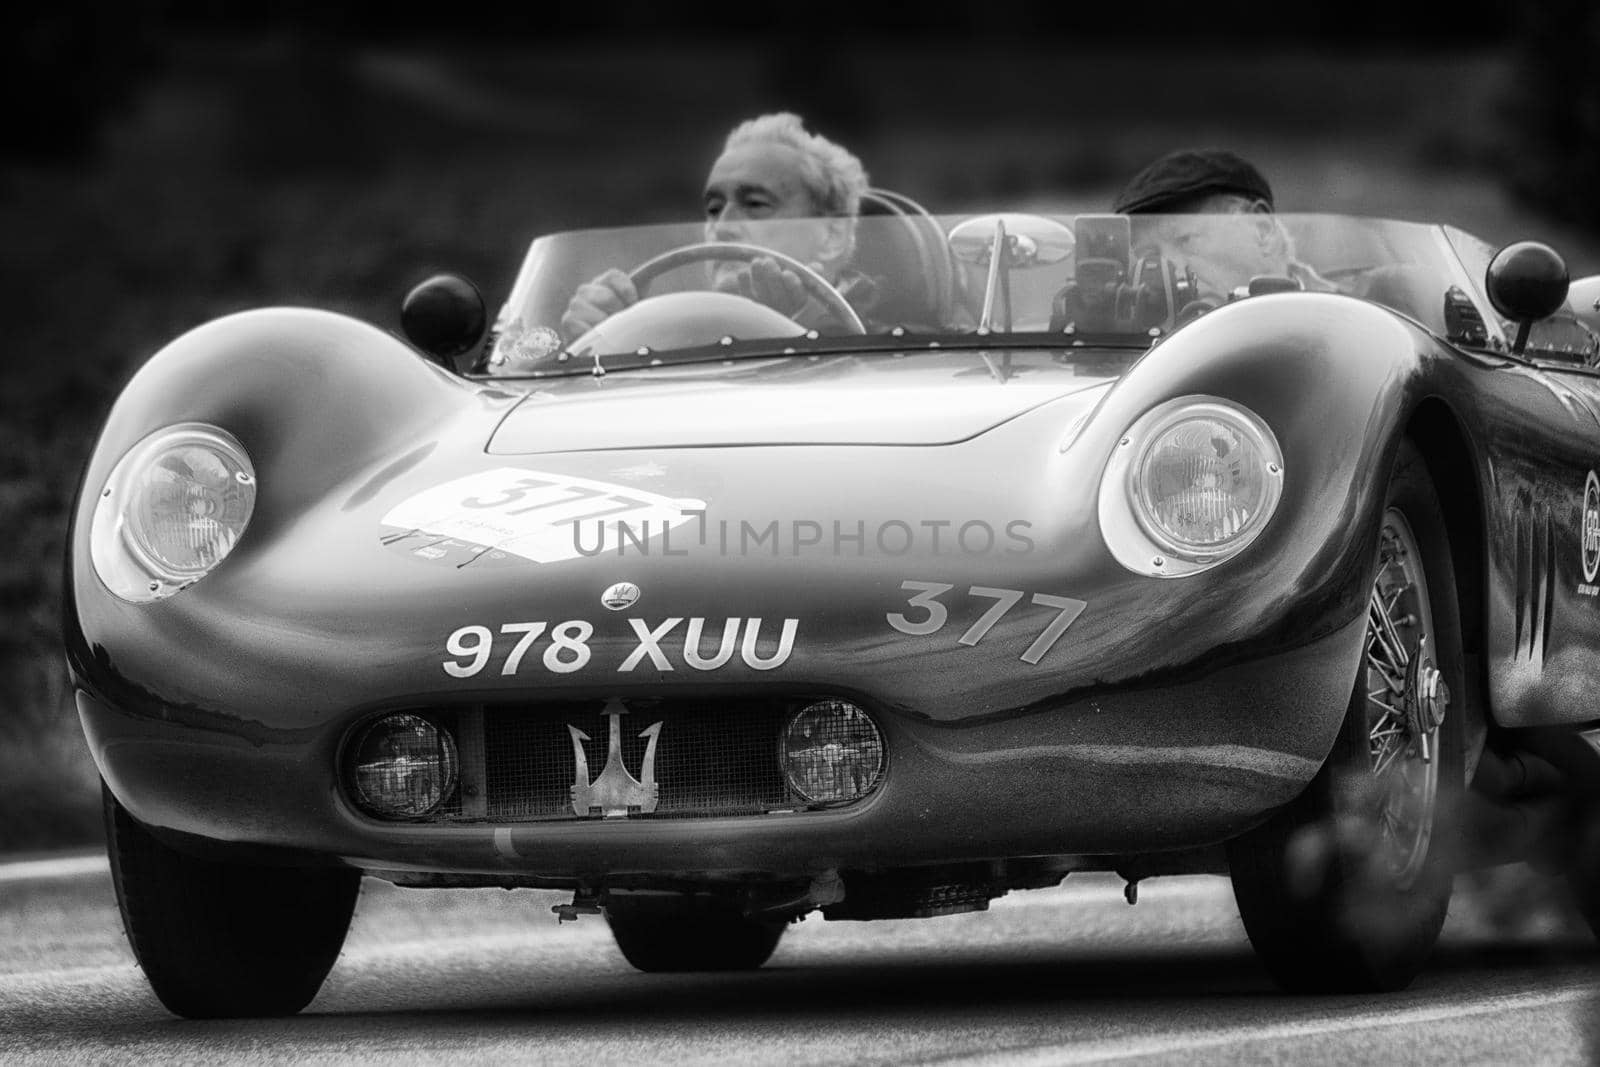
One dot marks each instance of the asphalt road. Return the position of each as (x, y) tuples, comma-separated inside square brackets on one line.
[(1065, 976)]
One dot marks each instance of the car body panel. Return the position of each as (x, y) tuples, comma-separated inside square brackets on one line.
[(1167, 714), (872, 402), (1544, 627)]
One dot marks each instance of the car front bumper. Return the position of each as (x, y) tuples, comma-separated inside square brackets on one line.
[(1173, 765)]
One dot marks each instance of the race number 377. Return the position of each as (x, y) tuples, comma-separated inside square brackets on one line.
[(535, 515), (929, 614)]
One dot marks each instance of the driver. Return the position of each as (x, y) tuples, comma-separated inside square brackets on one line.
[(1183, 188), (771, 170)]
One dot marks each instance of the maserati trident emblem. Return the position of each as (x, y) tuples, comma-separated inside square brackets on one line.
[(620, 596), (616, 792)]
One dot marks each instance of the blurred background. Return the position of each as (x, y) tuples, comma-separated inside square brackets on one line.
[(166, 163)]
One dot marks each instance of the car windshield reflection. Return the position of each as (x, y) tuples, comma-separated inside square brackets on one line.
[(647, 295)]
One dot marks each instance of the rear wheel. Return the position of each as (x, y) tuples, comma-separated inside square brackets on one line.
[(713, 941), (1346, 888), (220, 940)]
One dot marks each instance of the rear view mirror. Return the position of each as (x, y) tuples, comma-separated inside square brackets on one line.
[(1526, 282), (444, 317)]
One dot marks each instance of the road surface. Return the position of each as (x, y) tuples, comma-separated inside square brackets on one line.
[(1063, 976)]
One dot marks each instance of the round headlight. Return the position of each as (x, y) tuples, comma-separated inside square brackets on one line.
[(1192, 482), (404, 765), (831, 752), (174, 506), (1206, 477)]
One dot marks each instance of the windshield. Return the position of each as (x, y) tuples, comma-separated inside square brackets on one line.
[(652, 294)]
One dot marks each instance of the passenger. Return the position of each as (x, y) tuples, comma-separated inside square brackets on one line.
[(1196, 182), (1186, 185), (771, 169)]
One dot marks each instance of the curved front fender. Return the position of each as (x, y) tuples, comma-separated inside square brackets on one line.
[(316, 399), (1335, 379)]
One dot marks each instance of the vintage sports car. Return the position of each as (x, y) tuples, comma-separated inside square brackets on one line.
[(1252, 546)]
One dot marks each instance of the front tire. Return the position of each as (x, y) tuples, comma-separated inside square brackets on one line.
[(1346, 888), (694, 942), (224, 940)]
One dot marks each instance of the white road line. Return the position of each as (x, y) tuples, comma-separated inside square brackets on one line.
[(1091, 889), (1081, 888), (1113, 1049), (56, 867), (29, 982)]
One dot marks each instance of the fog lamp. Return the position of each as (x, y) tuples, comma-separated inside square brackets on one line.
[(831, 752), (404, 765)]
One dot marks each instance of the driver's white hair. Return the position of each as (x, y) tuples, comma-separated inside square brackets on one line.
[(832, 173)]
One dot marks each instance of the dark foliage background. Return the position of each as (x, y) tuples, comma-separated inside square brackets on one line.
[(171, 162)]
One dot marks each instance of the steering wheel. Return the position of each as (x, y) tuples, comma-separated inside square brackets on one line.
[(813, 283)]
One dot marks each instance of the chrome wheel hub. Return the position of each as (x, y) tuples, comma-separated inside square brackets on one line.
[(1427, 696), (1406, 702)]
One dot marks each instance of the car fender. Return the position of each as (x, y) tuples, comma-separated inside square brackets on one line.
[(302, 390), (315, 398), (1336, 380)]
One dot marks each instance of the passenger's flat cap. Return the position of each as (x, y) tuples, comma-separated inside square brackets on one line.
[(1181, 176)]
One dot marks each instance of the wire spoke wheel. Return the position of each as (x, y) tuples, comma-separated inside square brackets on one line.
[(1345, 888), (1405, 704)]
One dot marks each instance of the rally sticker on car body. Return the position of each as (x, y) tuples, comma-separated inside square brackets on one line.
[(933, 614), (1589, 535), (522, 648), (512, 513)]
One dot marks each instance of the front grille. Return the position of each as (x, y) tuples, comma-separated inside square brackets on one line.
[(519, 764), (707, 761)]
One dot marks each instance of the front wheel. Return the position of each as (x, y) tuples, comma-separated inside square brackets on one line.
[(224, 940), (694, 942), (1346, 888)]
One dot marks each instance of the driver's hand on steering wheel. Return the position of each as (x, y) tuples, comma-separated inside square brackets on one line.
[(596, 301), (763, 281)]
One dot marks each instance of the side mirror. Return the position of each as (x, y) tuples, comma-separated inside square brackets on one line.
[(444, 316), (1526, 282)]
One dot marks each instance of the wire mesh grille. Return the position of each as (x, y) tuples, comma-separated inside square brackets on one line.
[(519, 763), (708, 760)]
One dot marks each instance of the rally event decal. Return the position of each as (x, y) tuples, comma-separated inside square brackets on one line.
[(1591, 534), (515, 514)]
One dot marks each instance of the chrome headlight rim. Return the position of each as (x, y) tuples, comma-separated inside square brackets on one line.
[(1134, 537), (122, 561)]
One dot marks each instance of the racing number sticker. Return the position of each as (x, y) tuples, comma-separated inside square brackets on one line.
[(535, 515), (933, 614)]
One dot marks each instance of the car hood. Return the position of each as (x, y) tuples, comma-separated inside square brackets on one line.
[(882, 400)]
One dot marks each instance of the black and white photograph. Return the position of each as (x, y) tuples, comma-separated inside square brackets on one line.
[(834, 533)]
